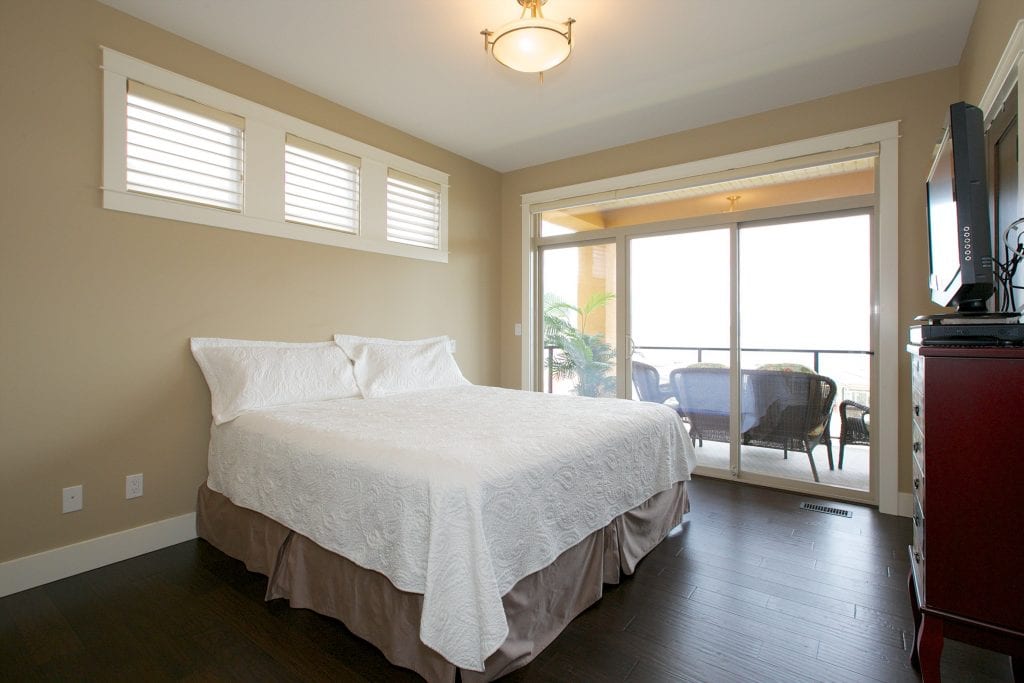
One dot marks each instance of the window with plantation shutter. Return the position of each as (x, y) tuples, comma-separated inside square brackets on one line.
[(414, 210), (183, 150), (321, 186)]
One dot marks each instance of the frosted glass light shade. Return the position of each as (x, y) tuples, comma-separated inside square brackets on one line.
[(531, 45)]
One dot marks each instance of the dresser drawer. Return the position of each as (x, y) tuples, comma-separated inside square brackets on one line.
[(918, 484), (919, 530), (918, 549), (917, 406), (917, 373), (917, 446)]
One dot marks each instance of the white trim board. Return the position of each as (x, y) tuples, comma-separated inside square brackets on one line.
[(52, 565), (1009, 72), (620, 186), (1006, 74)]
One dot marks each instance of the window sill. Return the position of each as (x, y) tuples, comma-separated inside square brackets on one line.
[(220, 218)]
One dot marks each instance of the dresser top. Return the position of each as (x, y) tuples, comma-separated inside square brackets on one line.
[(966, 351)]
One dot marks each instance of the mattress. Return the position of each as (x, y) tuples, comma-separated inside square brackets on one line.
[(455, 494)]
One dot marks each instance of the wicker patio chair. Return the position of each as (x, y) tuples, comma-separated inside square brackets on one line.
[(647, 381), (649, 387), (786, 367), (853, 426), (703, 396), (794, 410)]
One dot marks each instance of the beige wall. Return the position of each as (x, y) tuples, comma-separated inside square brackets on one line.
[(994, 21), (96, 306)]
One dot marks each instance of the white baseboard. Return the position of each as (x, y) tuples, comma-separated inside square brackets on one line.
[(51, 565)]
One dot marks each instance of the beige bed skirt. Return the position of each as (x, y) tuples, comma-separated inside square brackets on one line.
[(537, 608)]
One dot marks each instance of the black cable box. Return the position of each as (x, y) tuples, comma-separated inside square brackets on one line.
[(1006, 334)]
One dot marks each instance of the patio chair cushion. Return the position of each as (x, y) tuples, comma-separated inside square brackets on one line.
[(787, 367)]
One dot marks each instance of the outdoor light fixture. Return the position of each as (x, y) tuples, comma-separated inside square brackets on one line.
[(531, 44)]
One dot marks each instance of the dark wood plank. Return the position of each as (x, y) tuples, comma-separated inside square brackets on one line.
[(42, 628)]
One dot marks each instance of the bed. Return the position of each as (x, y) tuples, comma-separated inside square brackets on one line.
[(458, 528)]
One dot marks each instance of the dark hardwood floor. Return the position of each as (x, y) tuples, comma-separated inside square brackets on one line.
[(750, 588)]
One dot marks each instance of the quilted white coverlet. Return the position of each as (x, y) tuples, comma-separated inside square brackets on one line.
[(453, 493)]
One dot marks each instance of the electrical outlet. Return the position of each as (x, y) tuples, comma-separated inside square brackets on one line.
[(72, 499), (133, 486)]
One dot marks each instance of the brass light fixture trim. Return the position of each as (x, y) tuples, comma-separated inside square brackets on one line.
[(532, 43)]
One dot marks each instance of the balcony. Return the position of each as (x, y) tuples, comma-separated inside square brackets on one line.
[(848, 368)]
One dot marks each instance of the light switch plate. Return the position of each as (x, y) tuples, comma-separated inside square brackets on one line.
[(71, 499)]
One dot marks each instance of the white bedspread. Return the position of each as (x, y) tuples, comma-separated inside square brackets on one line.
[(453, 493)]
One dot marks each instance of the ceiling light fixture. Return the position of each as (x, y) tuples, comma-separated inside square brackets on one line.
[(531, 44)]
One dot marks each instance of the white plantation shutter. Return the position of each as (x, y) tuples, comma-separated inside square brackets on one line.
[(321, 185), (413, 210), (181, 149)]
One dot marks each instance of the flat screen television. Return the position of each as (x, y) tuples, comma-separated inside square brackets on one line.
[(959, 234)]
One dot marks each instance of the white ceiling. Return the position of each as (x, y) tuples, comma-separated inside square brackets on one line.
[(639, 69)]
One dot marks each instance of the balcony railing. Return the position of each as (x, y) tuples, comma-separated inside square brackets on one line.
[(816, 353), (701, 350)]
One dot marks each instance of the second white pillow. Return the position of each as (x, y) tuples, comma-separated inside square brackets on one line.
[(384, 367)]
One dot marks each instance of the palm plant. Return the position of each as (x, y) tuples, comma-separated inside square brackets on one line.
[(586, 358)]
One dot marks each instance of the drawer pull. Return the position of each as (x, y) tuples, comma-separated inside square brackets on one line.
[(917, 483), (917, 520), (917, 557), (917, 446), (917, 410)]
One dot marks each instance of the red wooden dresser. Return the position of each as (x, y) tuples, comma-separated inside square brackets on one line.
[(967, 560)]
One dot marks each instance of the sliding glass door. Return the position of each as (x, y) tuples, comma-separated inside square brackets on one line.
[(755, 325), (578, 320), (805, 347), (680, 328)]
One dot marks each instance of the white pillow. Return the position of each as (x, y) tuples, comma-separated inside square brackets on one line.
[(387, 366), (246, 375)]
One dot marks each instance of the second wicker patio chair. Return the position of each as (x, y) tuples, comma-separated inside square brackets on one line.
[(853, 426)]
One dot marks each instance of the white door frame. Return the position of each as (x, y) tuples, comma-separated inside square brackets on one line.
[(886, 136)]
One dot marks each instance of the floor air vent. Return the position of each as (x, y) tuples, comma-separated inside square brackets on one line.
[(814, 507)]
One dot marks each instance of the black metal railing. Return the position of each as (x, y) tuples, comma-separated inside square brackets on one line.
[(701, 349), (816, 353)]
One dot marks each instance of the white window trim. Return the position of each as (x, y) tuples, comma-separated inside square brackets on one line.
[(891, 338), (263, 174), (1009, 72)]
